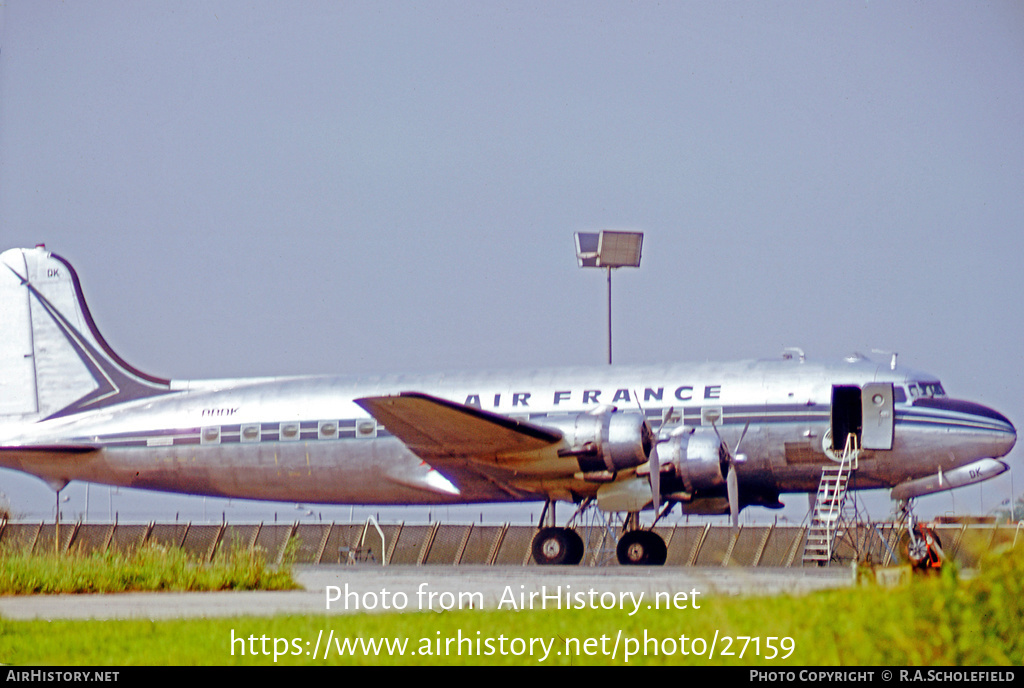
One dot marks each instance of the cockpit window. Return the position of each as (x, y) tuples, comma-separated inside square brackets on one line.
[(926, 390)]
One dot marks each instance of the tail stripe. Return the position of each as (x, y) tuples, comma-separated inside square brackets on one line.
[(116, 381), (111, 354)]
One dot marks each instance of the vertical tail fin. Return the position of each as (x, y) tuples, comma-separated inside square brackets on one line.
[(53, 360)]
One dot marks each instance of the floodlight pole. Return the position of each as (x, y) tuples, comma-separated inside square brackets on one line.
[(608, 249)]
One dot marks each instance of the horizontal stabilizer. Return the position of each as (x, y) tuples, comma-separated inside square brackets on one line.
[(50, 449)]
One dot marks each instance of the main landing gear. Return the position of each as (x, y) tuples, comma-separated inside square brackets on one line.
[(553, 546), (640, 547)]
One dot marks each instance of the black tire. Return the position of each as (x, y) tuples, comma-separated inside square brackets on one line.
[(641, 548), (557, 547), (659, 550), (577, 548)]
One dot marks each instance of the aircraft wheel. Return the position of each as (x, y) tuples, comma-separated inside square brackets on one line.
[(577, 546), (641, 548), (924, 552), (557, 546)]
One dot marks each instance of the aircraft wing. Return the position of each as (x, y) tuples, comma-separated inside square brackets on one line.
[(471, 447)]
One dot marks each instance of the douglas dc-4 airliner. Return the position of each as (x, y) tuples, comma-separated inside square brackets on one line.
[(711, 438)]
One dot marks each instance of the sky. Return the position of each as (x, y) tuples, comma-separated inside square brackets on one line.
[(264, 188)]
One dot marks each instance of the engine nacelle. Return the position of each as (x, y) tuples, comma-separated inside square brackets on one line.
[(605, 441), (698, 459)]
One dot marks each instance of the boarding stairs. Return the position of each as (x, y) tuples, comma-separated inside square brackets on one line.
[(829, 518)]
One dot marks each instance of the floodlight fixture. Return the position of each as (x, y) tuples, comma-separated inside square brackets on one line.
[(609, 249)]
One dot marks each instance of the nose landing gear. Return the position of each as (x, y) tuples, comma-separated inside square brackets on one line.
[(923, 549), (919, 544)]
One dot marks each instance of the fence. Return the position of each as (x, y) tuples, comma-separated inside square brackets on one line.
[(451, 544)]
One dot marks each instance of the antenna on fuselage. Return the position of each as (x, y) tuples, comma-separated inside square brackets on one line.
[(892, 362), (787, 353)]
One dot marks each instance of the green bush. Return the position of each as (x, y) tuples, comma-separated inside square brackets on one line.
[(933, 620), (151, 567)]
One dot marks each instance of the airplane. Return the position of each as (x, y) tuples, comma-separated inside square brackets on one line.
[(710, 438)]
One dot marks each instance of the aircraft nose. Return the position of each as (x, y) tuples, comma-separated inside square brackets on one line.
[(1010, 439), (1000, 434), (1006, 433)]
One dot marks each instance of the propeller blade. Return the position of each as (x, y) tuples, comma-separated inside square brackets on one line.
[(743, 434), (655, 466), (655, 477), (714, 426), (733, 488), (732, 484)]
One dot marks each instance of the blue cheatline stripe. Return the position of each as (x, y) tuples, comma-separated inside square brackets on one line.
[(731, 415), (951, 423), (952, 420)]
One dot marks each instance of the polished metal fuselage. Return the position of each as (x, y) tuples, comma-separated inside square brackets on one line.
[(305, 440)]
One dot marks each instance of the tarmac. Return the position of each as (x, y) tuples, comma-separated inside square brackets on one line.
[(409, 589)]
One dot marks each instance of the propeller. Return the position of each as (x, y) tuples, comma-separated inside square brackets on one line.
[(732, 484), (666, 418), (654, 463), (655, 475)]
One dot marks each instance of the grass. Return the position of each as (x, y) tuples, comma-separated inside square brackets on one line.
[(148, 568), (940, 620)]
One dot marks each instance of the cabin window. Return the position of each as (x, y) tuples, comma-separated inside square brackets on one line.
[(211, 435), (327, 429), (366, 428), (289, 431), (709, 415)]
